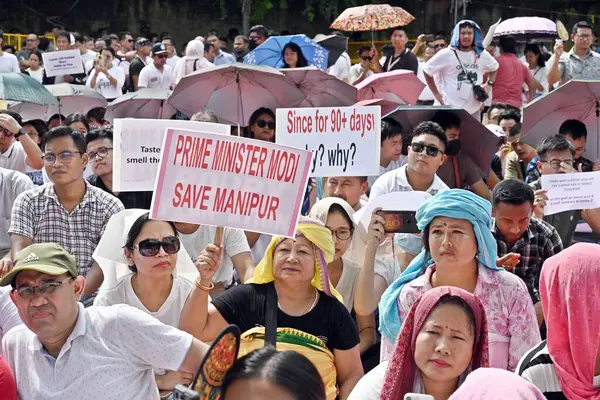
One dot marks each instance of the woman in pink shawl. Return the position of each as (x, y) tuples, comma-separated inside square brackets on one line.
[(496, 384), (567, 364)]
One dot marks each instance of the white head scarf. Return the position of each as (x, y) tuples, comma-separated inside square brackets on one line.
[(110, 255), (192, 61)]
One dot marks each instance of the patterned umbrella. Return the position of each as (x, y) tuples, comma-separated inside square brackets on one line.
[(372, 17)]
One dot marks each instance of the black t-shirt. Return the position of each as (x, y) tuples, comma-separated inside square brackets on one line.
[(130, 200), (245, 306), (135, 67), (406, 60)]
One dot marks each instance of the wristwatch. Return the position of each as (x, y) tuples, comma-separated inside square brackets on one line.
[(490, 82), (20, 133)]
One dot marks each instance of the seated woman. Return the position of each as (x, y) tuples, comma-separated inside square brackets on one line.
[(460, 251), (499, 385), (268, 373), (336, 214), (567, 364), (151, 250), (291, 296), (293, 57), (79, 122), (443, 338)]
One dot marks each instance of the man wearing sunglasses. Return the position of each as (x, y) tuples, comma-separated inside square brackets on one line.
[(79, 352), (69, 211), (157, 74), (361, 71)]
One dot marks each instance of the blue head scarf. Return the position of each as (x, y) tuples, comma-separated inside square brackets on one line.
[(455, 203), (477, 41)]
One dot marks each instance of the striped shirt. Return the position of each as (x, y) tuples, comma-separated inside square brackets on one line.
[(537, 367)]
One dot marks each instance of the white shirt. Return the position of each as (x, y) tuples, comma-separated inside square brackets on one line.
[(9, 63), (396, 181), (14, 158), (171, 62), (168, 313), (109, 356), (89, 65), (151, 77), (369, 387), (37, 75), (88, 56), (426, 94), (9, 316), (455, 86), (388, 268), (347, 282), (234, 243), (12, 184), (402, 160), (260, 247), (103, 85), (341, 68), (355, 72)]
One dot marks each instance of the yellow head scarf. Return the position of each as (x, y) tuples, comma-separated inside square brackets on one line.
[(321, 238)]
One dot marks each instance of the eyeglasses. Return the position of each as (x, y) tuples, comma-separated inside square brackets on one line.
[(151, 247), (101, 153), (584, 37), (130, 40), (555, 164), (64, 157), (6, 132), (342, 234), (262, 123), (432, 151), (32, 40), (366, 58), (46, 288), (440, 46), (162, 55)]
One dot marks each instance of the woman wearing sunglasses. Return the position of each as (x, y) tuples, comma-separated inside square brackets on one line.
[(146, 256), (262, 125)]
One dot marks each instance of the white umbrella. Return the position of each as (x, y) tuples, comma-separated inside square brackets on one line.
[(145, 103)]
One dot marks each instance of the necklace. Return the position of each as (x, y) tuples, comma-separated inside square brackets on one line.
[(307, 310)]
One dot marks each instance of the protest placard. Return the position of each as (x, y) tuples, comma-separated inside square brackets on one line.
[(345, 140), (65, 62), (136, 149), (229, 181), (577, 191)]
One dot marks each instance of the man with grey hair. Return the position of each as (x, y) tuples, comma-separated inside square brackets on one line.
[(205, 115)]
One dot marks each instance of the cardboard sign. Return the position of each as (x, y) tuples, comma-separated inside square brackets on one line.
[(136, 149), (65, 62), (577, 191), (230, 181), (346, 141)]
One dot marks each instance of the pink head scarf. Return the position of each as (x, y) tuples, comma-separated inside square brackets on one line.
[(401, 371), (570, 288), (496, 384)]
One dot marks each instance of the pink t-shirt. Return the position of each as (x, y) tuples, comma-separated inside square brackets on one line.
[(512, 74), (512, 324)]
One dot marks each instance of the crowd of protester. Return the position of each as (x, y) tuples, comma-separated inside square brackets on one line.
[(493, 299)]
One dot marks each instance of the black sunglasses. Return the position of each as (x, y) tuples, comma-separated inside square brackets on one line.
[(262, 123), (151, 247), (440, 46), (366, 58), (432, 151)]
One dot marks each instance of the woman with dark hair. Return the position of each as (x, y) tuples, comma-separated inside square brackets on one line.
[(35, 128), (262, 125), (293, 57), (79, 122), (36, 66), (56, 120), (269, 374), (537, 67), (106, 78)]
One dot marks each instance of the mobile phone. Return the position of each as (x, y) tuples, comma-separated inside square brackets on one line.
[(182, 392), (399, 221), (429, 38), (415, 396), (101, 60)]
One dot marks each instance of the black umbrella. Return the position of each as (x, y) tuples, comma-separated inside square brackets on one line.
[(335, 44)]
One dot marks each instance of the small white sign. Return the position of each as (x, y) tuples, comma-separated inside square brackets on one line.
[(577, 191), (65, 62)]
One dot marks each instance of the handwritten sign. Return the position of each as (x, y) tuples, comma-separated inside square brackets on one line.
[(65, 62), (577, 191), (136, 149), (230, 181), (346, 141)]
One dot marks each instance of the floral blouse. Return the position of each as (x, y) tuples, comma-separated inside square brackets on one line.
[(511, 318)]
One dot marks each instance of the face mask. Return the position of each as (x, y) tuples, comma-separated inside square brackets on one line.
[(453, 147), (252, 44), (412, 244)]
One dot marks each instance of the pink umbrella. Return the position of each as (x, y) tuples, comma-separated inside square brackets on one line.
[(235, 91), (527, 28), (386, 105), (400, 86), (321, 89), (145, 103)]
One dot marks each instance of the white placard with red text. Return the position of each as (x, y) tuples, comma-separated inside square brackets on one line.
[(136, 149), (229, 181), (346, 141)]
